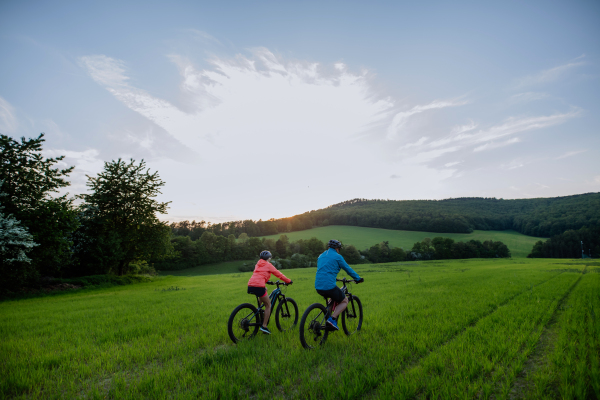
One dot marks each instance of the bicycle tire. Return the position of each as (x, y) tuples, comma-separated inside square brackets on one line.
[(313, 326), (242, 314), (352, 317), (286, 315)]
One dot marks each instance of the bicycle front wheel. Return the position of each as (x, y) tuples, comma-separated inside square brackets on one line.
[(352, 317), (313, 326), (239, 327), (286, 315)]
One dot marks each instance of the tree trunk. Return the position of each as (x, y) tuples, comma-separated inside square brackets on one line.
[(121, 268)]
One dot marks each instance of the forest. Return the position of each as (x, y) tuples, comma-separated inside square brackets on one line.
[(541, 217), (570, 244)]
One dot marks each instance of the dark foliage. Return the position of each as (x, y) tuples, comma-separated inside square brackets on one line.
[(29, 183), (119, 218), (542, 217), (568, 244), (445, 248)]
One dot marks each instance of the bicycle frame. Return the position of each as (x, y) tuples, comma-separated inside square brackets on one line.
[(331, 305), (274, 296)]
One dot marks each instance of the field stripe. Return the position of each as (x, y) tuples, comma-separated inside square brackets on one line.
[(417, 360), (464, 366), (539, 351)]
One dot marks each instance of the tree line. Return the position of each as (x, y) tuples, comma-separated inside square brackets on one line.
[(211, 248), (569, 244), (542, 217), (114, 229)]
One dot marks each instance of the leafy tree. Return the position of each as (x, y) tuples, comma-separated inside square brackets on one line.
[(351, 255), (30, 184), (313, 247), (15, 243), (397, 254), (123, 196)]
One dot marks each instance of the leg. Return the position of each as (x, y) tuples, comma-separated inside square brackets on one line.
[(267, 302), (340, 307)]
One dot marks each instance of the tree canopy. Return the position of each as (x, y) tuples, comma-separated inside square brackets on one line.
[(124, 210)]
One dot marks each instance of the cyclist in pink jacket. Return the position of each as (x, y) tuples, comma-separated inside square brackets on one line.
[(257, 284)]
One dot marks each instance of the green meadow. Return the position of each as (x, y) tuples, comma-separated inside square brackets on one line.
[(362, 238), (501, 328)]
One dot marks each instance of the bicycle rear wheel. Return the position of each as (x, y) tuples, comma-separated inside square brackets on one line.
[(352, 316), (239, 327), (313, 326), (286, 315)]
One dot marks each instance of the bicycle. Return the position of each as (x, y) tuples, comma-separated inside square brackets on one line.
[(313, 325), (246, 318)]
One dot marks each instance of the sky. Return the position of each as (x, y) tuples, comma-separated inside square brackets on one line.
[(265, 109)]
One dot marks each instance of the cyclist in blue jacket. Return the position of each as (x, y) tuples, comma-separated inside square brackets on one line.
[(328, 266)]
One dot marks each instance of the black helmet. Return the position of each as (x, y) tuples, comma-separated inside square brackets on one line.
[(334, 244), (265, 254)]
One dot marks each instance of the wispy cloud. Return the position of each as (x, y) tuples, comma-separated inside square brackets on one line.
[(495, 145), (496, 136), (8, 119), (549, 75), (203, 36), (402, 117), (105, 70), (528, 96), (570, 154)]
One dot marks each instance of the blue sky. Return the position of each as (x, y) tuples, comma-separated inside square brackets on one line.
[(261, 109)]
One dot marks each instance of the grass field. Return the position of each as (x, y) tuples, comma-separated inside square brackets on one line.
[(441, 329), (520, 245), (226, 267)]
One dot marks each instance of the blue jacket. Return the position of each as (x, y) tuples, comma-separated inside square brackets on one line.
[(328, 267)]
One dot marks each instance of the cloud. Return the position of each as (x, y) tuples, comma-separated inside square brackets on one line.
[(495, 145), (8, 119), (513, 165), (400, 119), (549, 75), (105, 70), (87, 162), (527, 97), (452, 164), (255, 100), (203, 37), (570, 154), (427, 156), (462, 136)]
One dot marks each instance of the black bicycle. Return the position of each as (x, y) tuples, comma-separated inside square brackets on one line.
[(246, 318), (313, 325)]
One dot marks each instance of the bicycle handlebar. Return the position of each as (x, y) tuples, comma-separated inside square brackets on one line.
[(278, 283), (350, 280)]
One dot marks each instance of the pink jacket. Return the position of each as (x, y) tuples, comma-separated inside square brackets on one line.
[(262, 273)]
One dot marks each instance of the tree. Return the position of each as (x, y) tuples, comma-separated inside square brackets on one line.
[(30, 182), (124, 198), (15, 243), (351, 255)]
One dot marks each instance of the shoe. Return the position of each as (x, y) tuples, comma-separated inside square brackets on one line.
[(332, 323), (265, 330)]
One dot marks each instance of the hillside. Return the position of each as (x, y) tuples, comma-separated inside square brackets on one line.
[(363, 238), (541, 217)]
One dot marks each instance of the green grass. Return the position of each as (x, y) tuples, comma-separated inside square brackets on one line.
[(227, 267), (446, 329), (571, 369), (520, 245)]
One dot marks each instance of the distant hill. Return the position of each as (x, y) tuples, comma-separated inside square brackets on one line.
[(362, 238), (541, 217)]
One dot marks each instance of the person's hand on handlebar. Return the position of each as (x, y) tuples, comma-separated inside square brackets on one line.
[(361, 280), (289, 283)]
